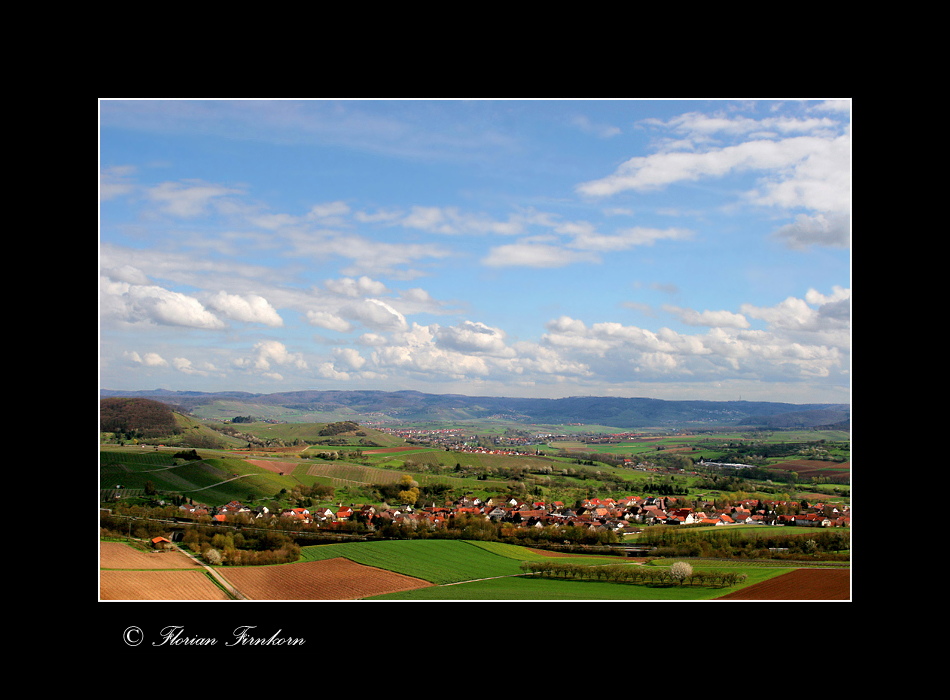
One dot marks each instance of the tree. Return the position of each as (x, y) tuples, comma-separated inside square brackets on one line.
[(681, 571), (213, 556)]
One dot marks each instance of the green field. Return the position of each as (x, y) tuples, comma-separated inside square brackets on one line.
[(436, 561), (466, 570), (214, 481), (528, 588)]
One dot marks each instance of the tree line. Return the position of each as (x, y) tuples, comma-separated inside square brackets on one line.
[(680, 573)]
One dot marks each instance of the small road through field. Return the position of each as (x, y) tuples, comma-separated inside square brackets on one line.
[(217, 577)]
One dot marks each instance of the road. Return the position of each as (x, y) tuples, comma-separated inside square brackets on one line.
[(217, 577)]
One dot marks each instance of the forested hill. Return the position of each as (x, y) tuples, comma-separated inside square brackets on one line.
[(629, 413), (139, 416)]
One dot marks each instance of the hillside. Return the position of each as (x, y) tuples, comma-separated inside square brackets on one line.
[(626, 413), (135, 419)]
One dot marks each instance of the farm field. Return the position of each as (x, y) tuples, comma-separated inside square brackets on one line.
[(126, 573), (158, 585), (800, 584), (436, 561), (533, 588), (327, 579), (433, 570)]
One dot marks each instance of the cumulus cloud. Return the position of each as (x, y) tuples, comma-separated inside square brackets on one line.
[(153, 304), (375, 314), (149, 359), (126, 273), (416, 351), (474, 337), (273, 352), (247, 309), (350, 358), (185, 366), (328, 320), (833, 231), (349, 287)]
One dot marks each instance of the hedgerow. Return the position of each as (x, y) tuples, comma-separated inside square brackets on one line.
[(633, 574)]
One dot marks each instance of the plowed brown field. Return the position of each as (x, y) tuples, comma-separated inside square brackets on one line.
[(115, 555), (158, 585), (331, 579), (800, 584), (131, 574)]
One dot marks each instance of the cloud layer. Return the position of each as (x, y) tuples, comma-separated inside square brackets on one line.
[(667, 274)]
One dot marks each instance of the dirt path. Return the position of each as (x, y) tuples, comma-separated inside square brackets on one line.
[(217, 577)]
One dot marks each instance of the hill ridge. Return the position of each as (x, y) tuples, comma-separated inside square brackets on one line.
[(622, 412)]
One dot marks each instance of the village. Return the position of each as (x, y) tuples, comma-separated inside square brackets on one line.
[(623, 516)]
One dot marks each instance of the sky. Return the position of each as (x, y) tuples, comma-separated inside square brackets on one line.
[(670, 249)]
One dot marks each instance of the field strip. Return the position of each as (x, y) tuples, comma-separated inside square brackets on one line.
[(211, 486)]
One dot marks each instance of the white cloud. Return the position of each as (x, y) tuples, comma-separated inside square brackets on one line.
[(722, 319), (189, 198), (247, 309), (150, 359), (804, 163), (350, 358), (375, 314), (474, 337), (152, 304), (602, 130), (126, 273), (449, 220), (833, 230), (273, 352), (535, 255), (329, 210), (330, 321), (114, 182), (185, 366), (626, 238), (415, 351), (364, 286)]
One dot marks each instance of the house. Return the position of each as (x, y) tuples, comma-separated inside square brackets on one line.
[(299, 514), (161, 542)]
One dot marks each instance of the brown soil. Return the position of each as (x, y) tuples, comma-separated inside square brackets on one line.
[(331, 579), (158, 585), (800, 584), (115, 555)]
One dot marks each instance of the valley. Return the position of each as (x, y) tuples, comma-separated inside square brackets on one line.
[(264, 489)]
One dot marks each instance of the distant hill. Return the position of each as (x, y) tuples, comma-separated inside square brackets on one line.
[(141, 419), (626, 413)]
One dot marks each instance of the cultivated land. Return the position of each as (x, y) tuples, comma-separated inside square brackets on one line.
[(320, 466), (438, 570)]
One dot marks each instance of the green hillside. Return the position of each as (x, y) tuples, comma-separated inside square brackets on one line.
[(138, 421), (340, 433), (213, 481)]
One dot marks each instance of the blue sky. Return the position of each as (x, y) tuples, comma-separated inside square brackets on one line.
[(670, 249)]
